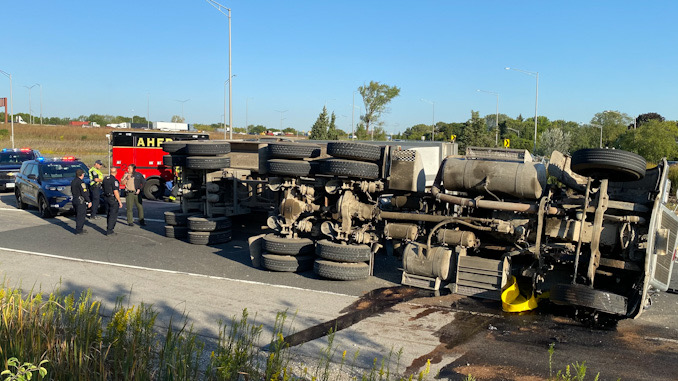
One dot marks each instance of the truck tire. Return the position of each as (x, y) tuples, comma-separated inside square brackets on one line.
[(350, 168), (177, 218), (340, 270), (205, 224), (614, 165), (174, 160), (354, 151), (293, 150), (178, 232), (290, 167), (209, 238), (342, 253), (585, 296), (174, 147), (44, 208), (287, 263), (207, 148), (154, 189), (275, 244), (208, 162)]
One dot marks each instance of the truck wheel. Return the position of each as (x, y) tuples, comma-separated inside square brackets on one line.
[(340, 167), (19, 200), (205, 224), (293, 151), (178, 232), (208, 162), (585, 296), (341, 271), (290, 167), (287, 263), (44, 208), (177, 218), (209, 238), (354, 151), (207, 148), (174, 147), (341, 252), (153, 189), (174, 160), (287, 246), (614, 165)]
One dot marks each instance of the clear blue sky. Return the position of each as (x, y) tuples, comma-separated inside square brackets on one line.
[(106, 57)]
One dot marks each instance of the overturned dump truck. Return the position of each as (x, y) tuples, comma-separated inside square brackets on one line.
[(589, 231)]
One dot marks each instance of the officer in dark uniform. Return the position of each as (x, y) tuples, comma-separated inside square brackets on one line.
[(112, 195), (80, 200)]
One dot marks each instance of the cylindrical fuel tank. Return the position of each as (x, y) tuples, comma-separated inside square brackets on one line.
[(522, 180), (436, 263), (401, 231), (456, 237)]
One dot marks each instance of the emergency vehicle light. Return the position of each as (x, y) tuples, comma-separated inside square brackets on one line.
[(25, 150), (68, 158)]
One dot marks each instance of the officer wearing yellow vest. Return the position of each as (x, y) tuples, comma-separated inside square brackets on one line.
[(96, 178)]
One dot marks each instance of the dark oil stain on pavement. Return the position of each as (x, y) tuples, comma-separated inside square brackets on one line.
[(373, 303)]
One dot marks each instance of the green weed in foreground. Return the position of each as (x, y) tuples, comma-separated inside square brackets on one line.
[(70, 340)]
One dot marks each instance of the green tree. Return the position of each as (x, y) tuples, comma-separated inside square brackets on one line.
[(644, 118), (258, 129), (290, 130), (376, 97), (416, 132), (332, 133), (177, 119), (319, 129), (653, 140), (361, 132), (553, 140), (475, 134), (613, 123)]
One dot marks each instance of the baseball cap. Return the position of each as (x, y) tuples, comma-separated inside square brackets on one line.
[(99, 162)]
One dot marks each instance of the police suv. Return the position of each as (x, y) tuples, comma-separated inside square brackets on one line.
[(10, 162), (46, 184)]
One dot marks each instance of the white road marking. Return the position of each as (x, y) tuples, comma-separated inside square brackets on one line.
[(674, 341), (46, 255)]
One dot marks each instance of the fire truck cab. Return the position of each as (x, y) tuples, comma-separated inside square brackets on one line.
[(144, 149)]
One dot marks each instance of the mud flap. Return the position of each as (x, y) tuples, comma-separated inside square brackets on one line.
[(255, 243)]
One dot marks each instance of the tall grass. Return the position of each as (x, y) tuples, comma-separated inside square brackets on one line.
[(71, 338)]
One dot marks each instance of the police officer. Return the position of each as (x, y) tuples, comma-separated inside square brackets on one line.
[(112, 194), (81, 200), (96, 178)]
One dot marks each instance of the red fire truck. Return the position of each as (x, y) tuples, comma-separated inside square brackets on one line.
[(144, 149)]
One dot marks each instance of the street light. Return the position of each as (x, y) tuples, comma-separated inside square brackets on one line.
[(281, 117), (40, 102), (220, 8), (230, 121), (11, 103), (30, 109), (148, 110), (536, 101), (601, 132), (182, 107), (496, 126), (433, 126)]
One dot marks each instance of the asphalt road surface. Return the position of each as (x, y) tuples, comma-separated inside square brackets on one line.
[(458, 335)]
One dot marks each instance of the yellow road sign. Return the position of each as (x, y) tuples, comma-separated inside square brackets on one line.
[(507, 143), (453, 138)]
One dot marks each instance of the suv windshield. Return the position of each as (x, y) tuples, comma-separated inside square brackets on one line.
[(61, 170), (14, 157)]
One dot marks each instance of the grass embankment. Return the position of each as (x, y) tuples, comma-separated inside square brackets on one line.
[(80, 344)]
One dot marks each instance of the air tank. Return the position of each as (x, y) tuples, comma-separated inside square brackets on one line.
[(521, 180)]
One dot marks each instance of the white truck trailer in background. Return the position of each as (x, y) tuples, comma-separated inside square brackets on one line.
[(169, 126)]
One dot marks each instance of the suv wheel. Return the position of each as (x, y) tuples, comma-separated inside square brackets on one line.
[(43, 207), (19, 200)]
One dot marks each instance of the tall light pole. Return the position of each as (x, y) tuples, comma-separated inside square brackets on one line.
[(230, 120), (11, 103), (601, 132), (148, 110), (536, 101), (40, 102), (281, 116), (496, 125), (30, 109), (247, 112), (352, 117), (220, 8), (433, 126), (182, 107)]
